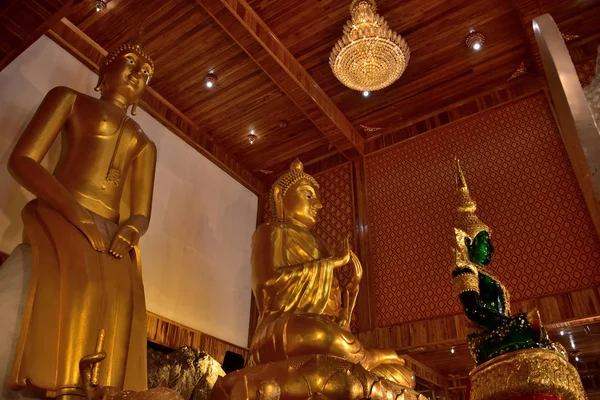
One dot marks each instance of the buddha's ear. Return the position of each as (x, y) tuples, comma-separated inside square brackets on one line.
[(278, 199)]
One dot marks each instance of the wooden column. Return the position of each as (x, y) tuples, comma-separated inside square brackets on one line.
[(365, 302), (578, 130)]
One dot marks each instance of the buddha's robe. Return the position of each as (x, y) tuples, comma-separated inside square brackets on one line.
[(299, 304), (74, 292)]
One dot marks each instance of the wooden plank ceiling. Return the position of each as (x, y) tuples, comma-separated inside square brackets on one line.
[(244, 42)]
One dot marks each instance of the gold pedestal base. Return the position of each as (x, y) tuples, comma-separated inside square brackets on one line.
[(528, 372), (308, 377)]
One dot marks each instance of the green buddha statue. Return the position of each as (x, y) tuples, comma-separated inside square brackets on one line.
[(484, 299)]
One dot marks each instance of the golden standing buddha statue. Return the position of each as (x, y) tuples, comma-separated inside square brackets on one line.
[(303, 312), (84, 229)]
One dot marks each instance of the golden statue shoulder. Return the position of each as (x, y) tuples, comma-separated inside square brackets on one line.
[(62, 93)]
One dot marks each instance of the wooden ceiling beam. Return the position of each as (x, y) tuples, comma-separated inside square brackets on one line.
[(90, 53), (250, 32), (528, 10), (28, 40)]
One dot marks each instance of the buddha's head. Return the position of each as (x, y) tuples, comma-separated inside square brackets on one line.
[(125, 72), (480, 249), (472, 235), (295, 197)]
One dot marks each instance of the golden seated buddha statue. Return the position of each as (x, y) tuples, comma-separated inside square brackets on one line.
[(303, 310)]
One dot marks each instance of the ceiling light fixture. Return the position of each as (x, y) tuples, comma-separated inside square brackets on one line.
[(475, 40), (369, 56), (210, 80), (452, 350), (366, 93), (99, 5), (252, 137)]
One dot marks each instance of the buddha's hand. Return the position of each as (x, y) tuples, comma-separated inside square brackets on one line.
[(125, 238), (83, 220), (342, 255)]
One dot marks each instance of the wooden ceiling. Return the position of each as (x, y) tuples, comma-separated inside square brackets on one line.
[(271, 60)]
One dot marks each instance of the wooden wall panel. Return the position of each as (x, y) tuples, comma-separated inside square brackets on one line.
[(173, 335), (520, 176), (559, 310)]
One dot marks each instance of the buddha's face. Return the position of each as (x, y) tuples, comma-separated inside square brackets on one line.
[(301, 204), (127, 75), (481, 249)]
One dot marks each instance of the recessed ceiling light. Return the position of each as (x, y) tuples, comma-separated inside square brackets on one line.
[(99, 5), (475, 40), (366, 93), (210, 80), (252, 137), (452, 350)]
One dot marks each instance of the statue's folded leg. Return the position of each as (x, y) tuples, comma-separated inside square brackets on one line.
[(295, 335)]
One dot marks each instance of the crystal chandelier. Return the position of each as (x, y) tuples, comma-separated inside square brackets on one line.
[(369, 56)]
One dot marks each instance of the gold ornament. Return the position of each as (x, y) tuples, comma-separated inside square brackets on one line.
[(467, 222), (526, 373), (369, 56), (466, 282)]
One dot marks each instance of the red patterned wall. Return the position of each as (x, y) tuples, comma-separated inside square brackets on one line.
[(586, 71), (521, 178), (336, 219)]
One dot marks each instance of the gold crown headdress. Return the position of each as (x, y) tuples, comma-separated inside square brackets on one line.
[(285, 181), (133, 45), (467, 221)]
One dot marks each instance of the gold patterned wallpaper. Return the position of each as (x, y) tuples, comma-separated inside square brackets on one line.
[(521, 178), (336, 219)]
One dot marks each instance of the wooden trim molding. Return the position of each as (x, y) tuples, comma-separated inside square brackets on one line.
[(509, 92), (91, 54), (173, 335), (560, 310)]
